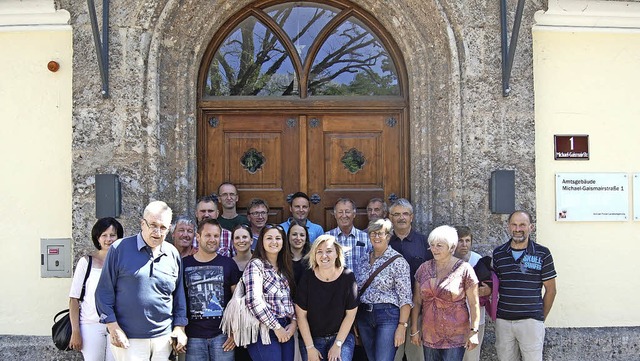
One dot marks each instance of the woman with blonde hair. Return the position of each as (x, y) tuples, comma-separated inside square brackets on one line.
[(326, 304)]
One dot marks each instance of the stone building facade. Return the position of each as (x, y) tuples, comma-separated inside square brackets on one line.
[(461, 127)]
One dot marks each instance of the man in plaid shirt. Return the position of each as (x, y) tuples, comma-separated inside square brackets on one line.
[(207, 207), (355, 242)]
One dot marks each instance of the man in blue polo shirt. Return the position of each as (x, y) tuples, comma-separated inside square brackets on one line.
[(140, 295), (300, 207), (523, 267)]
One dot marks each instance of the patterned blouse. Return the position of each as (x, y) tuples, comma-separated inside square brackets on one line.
[(392, 285), (268, 293), (445, 317)]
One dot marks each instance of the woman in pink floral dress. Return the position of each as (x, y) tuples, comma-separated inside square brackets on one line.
[(443, 287)]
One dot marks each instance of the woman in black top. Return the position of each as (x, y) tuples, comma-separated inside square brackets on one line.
[(299, 243), (326, 304)]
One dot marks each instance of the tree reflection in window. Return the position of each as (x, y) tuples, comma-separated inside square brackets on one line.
[(352, 61), (253, 61), (302, 22)]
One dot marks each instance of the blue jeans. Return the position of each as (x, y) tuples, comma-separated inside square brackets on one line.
[(443, 354), (377, 325), (208, 349), (323, 344), (275, 351)]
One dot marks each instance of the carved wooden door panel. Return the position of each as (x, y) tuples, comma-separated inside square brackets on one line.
[(258, 153), (358, 156), (328, 156)]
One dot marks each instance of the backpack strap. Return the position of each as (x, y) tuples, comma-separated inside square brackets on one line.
[(86, 276)]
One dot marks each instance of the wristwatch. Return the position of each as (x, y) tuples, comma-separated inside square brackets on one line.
[(339, 343), (405, 324)]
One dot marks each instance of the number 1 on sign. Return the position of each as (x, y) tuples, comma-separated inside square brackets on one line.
[(571, 143)]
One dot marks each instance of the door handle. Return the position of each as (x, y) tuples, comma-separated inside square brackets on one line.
[(315, 198)]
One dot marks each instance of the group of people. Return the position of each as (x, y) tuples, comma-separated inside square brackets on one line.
[(394, 291)]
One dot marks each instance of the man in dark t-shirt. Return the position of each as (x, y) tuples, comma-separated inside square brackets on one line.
[(209, 280), (229, 218)]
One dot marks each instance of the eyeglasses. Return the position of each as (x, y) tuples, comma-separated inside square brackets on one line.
[(406, 214), (378, 234), (243, 226), (258, 214), (344, 213), (155, 228), (273, 225)]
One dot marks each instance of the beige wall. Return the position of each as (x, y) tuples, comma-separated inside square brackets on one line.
[(35, 143), (586, 71)]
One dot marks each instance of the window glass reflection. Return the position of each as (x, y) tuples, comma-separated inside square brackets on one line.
[(251, 61), (353, 61), (302, 22)]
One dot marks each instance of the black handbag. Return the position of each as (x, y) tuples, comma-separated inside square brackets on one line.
[(61, 329)]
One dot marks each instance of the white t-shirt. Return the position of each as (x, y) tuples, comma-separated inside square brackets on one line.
[(88, 313), (473, 260)]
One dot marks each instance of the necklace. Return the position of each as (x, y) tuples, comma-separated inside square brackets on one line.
[(326, 278)]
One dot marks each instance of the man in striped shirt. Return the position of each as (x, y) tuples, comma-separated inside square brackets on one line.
[(523, 267)]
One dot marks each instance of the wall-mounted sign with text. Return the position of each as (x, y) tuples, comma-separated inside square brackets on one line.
[(592, 197), (571, 147)]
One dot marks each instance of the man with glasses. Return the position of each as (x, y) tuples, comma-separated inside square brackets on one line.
[(300, 207), (413, 246), (140, 295), (207, 208), (229, 218), (258, 214), (355, 242)]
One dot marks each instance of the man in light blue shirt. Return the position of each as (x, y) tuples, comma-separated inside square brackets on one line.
[(300, 207), (140, 295), (355, 242)]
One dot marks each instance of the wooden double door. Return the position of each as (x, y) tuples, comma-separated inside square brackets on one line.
[(327, 156)]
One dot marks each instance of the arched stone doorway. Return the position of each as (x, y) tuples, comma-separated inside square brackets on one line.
[(304, 96), (427, 37)]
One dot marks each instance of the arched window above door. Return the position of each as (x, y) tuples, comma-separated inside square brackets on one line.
[(301, 49)]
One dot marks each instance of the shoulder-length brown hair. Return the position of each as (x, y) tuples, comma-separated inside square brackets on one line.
[(285, 260)]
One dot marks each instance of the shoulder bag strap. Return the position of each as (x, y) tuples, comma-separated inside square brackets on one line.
[(375, 273), (86, 276)]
